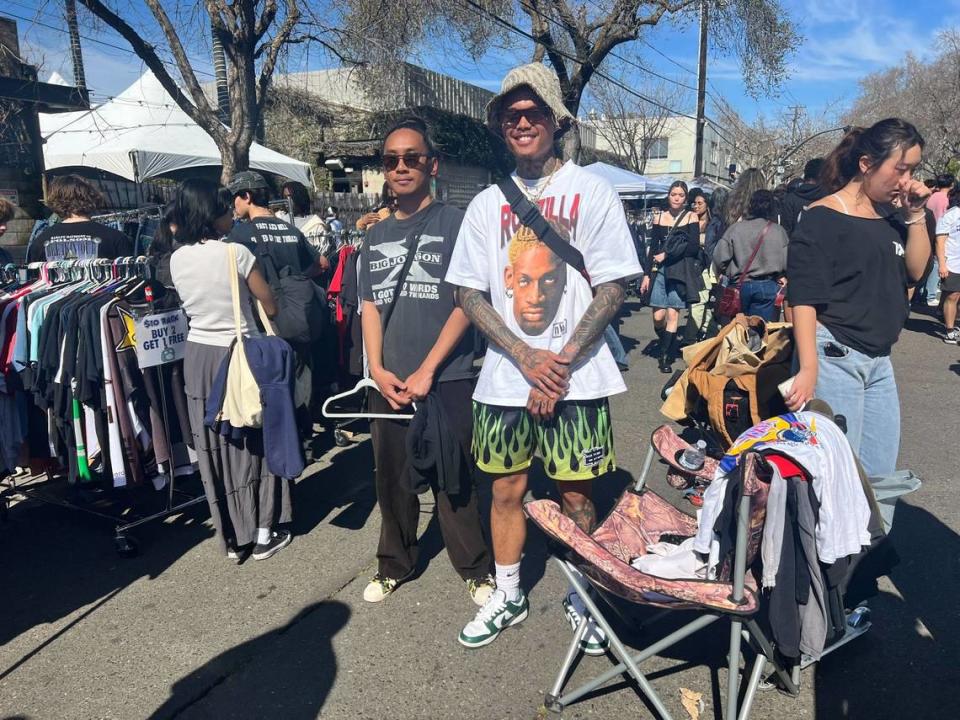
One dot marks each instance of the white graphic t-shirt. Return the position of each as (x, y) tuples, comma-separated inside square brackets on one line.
[(540, 297), (949, 225)]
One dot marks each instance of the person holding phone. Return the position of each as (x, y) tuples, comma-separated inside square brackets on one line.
[(848, 268)]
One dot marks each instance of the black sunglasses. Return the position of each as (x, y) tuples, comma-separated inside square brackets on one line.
[(412, 160), (534, 116)]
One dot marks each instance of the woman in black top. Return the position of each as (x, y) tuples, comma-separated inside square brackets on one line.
[(849, 262), (675, 266)]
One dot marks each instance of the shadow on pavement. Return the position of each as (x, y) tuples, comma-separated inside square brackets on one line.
[(285, 673), (346, 484), (924, 325), (907, 665), (57, 560)]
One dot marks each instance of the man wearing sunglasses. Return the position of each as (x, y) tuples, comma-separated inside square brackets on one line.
[(419, 351), (547, 374)]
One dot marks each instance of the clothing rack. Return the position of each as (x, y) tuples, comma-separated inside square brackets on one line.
[(143, 211), (92, 501)]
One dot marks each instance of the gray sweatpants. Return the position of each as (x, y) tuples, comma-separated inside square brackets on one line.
[(242, 494)]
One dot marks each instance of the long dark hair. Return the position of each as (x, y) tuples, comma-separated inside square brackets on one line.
[(196, 207), (299, 198), (162, 242), (953, 197), (876, 143), (763, 205)]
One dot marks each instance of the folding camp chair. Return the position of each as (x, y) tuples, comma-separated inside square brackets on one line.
[(639, 519)]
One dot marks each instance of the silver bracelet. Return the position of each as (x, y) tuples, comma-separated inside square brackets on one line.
[(914, 222)]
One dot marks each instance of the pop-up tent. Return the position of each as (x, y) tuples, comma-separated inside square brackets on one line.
[(628, 184), (142, 133)]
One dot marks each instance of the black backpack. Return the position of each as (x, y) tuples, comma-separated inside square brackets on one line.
[(301, 303)]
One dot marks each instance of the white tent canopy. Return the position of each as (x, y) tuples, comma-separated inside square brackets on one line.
[(142, 133), (628, 183)]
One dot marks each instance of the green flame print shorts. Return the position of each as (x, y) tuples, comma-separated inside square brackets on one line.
[(576, 444)]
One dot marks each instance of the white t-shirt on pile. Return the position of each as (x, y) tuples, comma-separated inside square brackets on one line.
[(200, 276), (949, 225), (540, 297)]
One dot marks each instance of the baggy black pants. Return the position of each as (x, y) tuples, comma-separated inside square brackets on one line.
[(458, 515)]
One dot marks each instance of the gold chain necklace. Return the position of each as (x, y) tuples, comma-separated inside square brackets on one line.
[(535, 197)]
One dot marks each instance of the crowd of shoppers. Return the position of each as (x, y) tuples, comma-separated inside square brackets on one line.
[(842, 244)]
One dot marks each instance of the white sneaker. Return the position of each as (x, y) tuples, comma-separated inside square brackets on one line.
[(497, 614), (952, 337), (594, 640), (378, 588)]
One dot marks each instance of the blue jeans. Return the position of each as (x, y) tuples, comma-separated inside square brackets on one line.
[(612, 338), (932, 288), (757, 298), (863, 390)]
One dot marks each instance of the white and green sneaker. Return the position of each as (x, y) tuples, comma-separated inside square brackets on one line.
[(497, 614), (594, 640)]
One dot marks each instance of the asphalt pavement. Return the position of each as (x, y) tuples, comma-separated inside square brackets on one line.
[(180, 632)]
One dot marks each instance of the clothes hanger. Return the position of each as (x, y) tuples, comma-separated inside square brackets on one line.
[(363, 384)]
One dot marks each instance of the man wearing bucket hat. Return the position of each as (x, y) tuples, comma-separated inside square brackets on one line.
[(547, 374)]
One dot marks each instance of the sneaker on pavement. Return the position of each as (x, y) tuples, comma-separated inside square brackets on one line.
[(497, 614), (952, 337), (594, 640), (480, 589), (237, 554), (378, 588), (279, 539)]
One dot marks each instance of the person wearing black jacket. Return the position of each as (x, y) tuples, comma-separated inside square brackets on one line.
[(675, 266), (801, 194)]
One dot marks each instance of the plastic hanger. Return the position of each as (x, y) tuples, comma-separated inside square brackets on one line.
[(363, 384)]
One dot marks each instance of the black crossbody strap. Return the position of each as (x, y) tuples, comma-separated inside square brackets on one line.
[(530, 216), (408, 261)]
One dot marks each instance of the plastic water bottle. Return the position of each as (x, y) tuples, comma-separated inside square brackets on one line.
[(694, 457)]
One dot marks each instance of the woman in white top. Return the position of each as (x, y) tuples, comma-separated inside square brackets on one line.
[(243, 496), (948, 258)]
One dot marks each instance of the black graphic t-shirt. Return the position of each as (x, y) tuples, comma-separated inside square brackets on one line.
[(426, 301), (852, 270), (282, 242), (85, 240)]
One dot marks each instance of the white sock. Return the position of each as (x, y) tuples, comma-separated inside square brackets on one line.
[(508, 580), (574, 593), (263, 536)]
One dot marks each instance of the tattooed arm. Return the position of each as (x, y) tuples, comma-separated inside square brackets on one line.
[(543, 369), (607, 300)]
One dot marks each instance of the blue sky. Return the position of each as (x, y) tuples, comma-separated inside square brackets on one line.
[(842, 42)]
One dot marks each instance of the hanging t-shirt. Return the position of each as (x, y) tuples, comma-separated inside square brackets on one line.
[(200, 275), (540, 297), (949, 225), (425, 302), (85, 240), (286, 246)]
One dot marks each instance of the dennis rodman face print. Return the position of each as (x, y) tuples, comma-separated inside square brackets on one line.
[(535, 279)]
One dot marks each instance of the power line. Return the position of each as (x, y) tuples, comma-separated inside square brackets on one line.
[(612, 54), (514, 28), (126, 50), (480, 10)]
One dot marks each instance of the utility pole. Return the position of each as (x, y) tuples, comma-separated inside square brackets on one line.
[(701, 92), (79, 76)]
